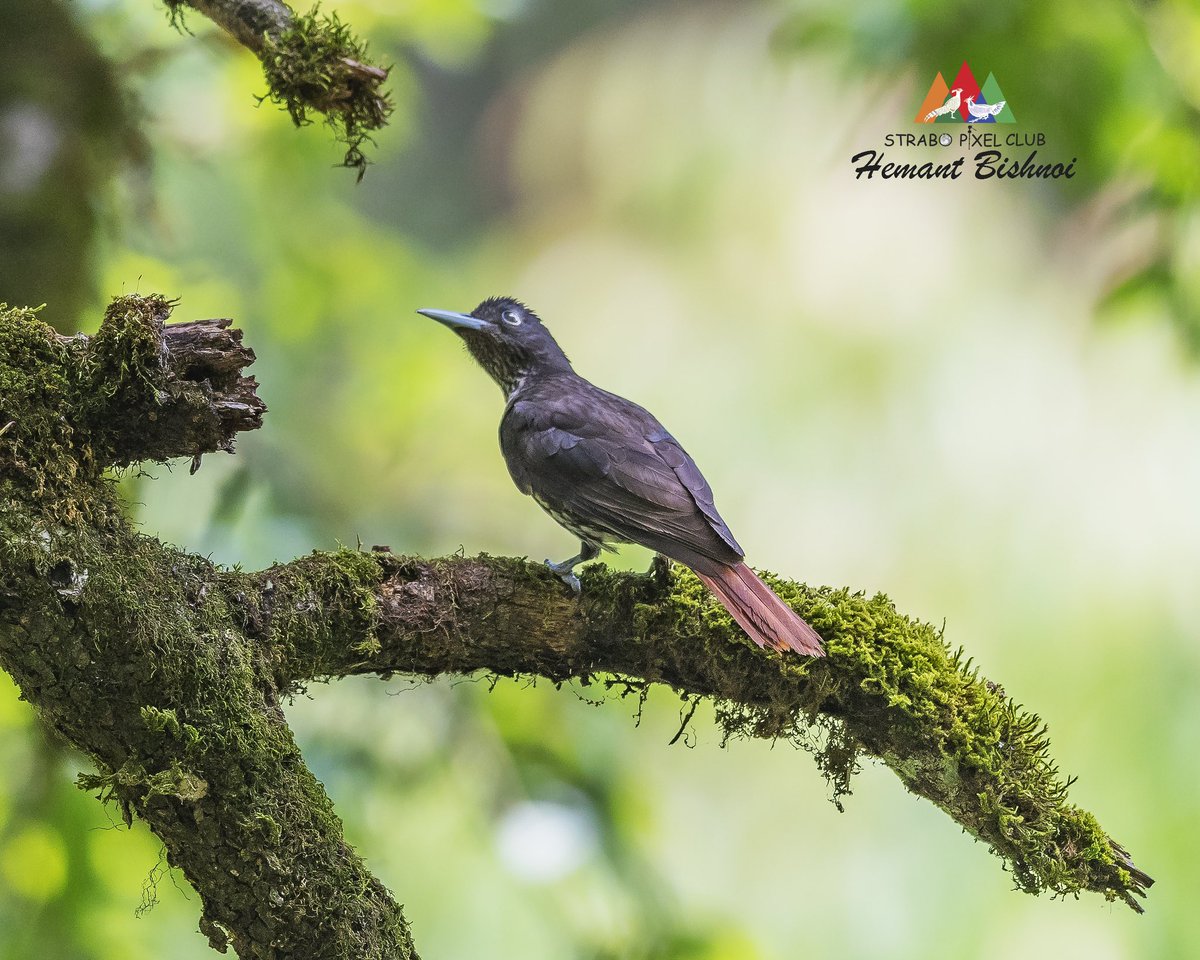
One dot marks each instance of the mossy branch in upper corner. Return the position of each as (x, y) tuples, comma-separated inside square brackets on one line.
[(312, 61)]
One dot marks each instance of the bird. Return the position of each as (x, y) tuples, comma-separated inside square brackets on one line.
[(981, 111), (606, 470), (950, 106)]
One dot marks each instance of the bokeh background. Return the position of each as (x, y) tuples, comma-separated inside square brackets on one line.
[(980, 398)]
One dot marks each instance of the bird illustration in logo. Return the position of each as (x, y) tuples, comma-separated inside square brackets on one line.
[(952, 105), (981, 111)]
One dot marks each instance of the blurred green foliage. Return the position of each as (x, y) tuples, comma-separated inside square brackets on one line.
[(669, 186), (66, 127)]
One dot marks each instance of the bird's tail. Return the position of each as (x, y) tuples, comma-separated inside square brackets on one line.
[(768, 620)]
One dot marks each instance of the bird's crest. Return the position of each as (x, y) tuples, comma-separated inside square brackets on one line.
[(501, 302)]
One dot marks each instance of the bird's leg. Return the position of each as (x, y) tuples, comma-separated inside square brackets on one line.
[(565, 569)]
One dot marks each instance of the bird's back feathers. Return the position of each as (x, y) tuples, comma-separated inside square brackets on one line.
[(607, 470), (610, 465)]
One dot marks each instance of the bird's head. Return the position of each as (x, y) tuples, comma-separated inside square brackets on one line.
[(957, 90), (506, 338)]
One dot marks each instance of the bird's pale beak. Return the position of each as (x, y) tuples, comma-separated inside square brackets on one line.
[(455, 321)]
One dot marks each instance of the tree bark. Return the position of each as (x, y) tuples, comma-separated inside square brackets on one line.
[(169, 671)]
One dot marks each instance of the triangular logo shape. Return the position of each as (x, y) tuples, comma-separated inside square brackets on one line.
[(969, 90), (936, 96), (951, 103), (992, 93)]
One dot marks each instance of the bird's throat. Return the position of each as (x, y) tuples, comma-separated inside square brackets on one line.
[(506, 367), (510, 366)]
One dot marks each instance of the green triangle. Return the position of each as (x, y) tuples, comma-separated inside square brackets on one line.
[(993, 94)]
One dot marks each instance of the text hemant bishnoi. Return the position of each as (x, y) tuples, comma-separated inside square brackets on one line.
[(989, 164)]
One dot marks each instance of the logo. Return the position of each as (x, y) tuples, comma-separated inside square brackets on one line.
[(925, 154), (965, 101)]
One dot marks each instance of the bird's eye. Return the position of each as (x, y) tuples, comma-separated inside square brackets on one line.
[(511, 317)]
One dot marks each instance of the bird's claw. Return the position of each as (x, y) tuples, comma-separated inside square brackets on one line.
[(565, 573)]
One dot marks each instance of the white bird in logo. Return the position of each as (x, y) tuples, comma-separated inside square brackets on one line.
[(981, 111), (950, 106)]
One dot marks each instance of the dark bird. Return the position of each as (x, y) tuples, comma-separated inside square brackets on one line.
[(609, 472)]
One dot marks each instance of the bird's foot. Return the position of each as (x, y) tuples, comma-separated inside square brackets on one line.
[(565, 571)]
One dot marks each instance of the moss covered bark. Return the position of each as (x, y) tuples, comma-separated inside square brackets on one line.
[(313, 63), (169, 672), (133, 653), (889, 687)]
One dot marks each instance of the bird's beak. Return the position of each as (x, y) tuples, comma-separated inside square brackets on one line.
[(455, 321)]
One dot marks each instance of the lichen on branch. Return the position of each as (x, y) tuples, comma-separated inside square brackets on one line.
[(313, 63)]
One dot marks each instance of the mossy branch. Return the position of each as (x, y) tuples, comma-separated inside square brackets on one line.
[(889, 687), (169, 671), (131, 650), (313, 63)]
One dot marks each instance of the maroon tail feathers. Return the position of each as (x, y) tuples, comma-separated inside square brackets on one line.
[(768, 620)]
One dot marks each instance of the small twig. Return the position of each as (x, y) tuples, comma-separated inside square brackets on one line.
[(686, 720)]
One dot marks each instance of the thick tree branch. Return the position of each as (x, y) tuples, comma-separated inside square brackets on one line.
[(130, 652), (169, 671), (889, 688), (312, 62)]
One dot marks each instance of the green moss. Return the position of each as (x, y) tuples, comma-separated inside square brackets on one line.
[(309, 603), (133, 780), (125, 358), (135, 652), (124, 368), (161, 721), (314, 65), (38, 451), (268, 826), (175, 9), (57, 395), (320, 65), (206, 758), (891, 687)]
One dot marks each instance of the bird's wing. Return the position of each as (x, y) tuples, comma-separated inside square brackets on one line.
[(609, 464)]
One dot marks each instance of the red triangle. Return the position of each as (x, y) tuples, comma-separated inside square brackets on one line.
[(965, 81)]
